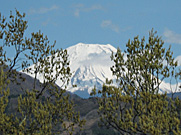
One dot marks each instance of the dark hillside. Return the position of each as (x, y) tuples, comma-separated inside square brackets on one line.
[(86, 107)]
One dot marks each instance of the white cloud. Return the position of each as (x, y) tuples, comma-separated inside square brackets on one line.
[(49, 21), (110, 25), (43, 10), (126, 28), (77, 13), (81, 8), (172, 37), (106, 23)]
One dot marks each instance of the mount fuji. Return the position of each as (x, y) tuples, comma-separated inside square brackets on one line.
[(90, 66)]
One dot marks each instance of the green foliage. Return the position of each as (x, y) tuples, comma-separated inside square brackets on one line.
[(40, 111), (135, 106), (4, 93)]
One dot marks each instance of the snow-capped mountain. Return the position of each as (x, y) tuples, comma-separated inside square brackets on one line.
[(90, 65)]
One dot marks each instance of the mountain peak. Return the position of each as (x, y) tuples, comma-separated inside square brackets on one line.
[(84, 45), (82, 51), (90, 64)]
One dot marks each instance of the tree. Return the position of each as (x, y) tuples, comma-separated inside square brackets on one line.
[(44, 110), (135, 105)]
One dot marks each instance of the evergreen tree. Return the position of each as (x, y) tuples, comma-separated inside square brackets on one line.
[(135, 106), (34, 115)]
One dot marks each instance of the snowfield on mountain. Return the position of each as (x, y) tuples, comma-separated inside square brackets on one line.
[(90, 66)]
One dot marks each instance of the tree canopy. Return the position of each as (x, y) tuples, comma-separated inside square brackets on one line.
[(134, 105), (46, 109)]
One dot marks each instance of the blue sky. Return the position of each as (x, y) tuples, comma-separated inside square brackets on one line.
[(101, 21)]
